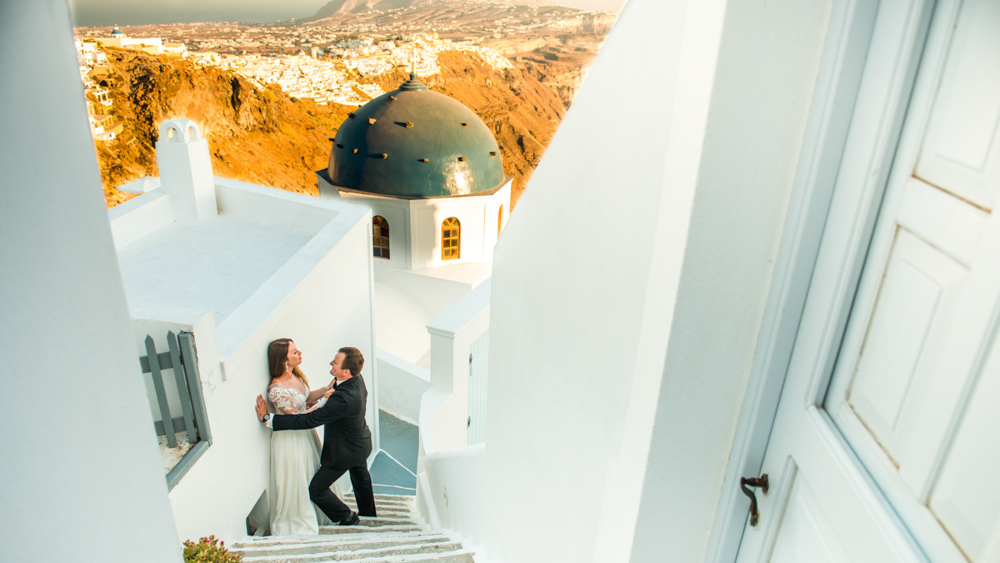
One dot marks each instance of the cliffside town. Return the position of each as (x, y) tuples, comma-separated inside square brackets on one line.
[(269, 95)]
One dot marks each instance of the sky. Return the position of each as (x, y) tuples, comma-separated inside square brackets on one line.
[(137, 12)]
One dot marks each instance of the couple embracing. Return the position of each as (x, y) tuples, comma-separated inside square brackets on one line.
[(299, 474)]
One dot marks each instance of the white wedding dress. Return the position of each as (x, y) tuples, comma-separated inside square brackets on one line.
[(294, 461)]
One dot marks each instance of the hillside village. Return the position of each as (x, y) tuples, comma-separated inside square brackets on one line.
[(519, 78), (332, 77)]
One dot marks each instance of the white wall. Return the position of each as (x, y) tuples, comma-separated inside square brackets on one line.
[(426, 217), (450, 495), (80, 462), (415, 226), (769, 59), (630, 346), (450, 476), (402, 383), (315, 287), (328, 309), (396, 212), (498, 209)]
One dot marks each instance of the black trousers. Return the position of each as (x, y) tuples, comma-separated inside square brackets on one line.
[(333, 507)]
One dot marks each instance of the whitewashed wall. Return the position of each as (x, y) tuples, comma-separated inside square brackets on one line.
[(402, 383), (80, 461), (451, 476), (319, 294), (498, 209), (328, 309), (415, 226), (426, 217), (397, 213), (618, 361)]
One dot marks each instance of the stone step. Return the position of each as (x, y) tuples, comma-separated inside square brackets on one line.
[(324, 544), (340, 554), (394, 511), (460, 556), (407, 499), (390, 504), (398, 526), (380, 504), (392, 537), (388, 520)]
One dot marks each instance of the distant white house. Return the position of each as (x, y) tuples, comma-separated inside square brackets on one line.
[(151, 45)]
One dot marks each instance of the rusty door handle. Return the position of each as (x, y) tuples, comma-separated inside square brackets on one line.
[(753, 482)]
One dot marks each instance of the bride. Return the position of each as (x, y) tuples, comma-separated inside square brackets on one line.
[(294, 453)]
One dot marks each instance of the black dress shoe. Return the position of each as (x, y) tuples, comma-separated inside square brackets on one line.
[(351, 520)]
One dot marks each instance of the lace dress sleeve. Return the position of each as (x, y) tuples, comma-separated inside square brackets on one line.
[(282, 400)]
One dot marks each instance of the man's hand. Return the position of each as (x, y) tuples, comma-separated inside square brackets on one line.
[(261, 407)]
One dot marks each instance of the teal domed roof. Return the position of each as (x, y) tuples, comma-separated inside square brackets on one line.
[(413, 142), (117, 31)]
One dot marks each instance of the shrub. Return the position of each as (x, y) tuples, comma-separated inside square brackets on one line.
[(208, 550)]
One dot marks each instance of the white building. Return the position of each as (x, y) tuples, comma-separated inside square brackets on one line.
[(776, 254), (118, 38), (235, 266), (431, 172), (768, 248)]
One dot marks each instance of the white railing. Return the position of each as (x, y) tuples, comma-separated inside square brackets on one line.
[(450, 473)]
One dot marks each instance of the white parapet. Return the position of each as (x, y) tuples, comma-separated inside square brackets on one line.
[(186, 171)]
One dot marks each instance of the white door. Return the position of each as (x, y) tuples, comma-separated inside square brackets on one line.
[(886, 444), (479, 357)]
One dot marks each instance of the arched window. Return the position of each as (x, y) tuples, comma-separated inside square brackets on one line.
[(499, 220), (380, 236), (451, 239)]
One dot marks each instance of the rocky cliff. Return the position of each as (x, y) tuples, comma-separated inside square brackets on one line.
[(264, 137), (255, 135)]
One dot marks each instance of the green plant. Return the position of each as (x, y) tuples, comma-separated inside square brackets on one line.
[(208, 550)]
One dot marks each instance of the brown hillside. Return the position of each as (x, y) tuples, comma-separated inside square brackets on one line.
[(258, 136), (265, 137)]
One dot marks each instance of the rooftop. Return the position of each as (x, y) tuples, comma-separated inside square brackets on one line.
[(413, 142), (239, 264)]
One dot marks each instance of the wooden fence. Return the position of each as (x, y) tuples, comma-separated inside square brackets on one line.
[(181, 360)]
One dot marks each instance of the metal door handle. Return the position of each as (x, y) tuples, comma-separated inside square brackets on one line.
[(753, 482)]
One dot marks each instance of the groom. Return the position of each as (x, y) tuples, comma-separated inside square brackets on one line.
[(347, 442)]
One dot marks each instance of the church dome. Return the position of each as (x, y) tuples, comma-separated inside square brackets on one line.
[(117, 31), (413, 142)]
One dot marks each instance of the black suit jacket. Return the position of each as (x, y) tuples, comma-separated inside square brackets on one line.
[(347, 442)]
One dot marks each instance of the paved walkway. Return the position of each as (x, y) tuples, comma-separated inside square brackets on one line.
[(395, 467)]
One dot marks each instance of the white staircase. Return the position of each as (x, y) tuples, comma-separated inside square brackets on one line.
[(392, 537)]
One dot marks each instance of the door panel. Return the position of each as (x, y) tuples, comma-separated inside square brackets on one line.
[(961, 151), (896, 457), (919, 284), (817, 483), (812, 528), (966, 496), (944, 221)]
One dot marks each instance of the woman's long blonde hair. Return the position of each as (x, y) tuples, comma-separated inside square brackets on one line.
[(277, 355)]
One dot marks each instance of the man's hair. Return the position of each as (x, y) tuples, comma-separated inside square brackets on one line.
[(353, 360)]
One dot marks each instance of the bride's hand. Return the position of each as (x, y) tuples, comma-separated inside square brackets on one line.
[(327, 394), (260, 407)]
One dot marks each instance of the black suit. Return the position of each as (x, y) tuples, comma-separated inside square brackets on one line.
[(347, 443)]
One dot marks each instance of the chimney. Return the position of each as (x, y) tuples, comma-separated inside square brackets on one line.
[(186, 171)]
